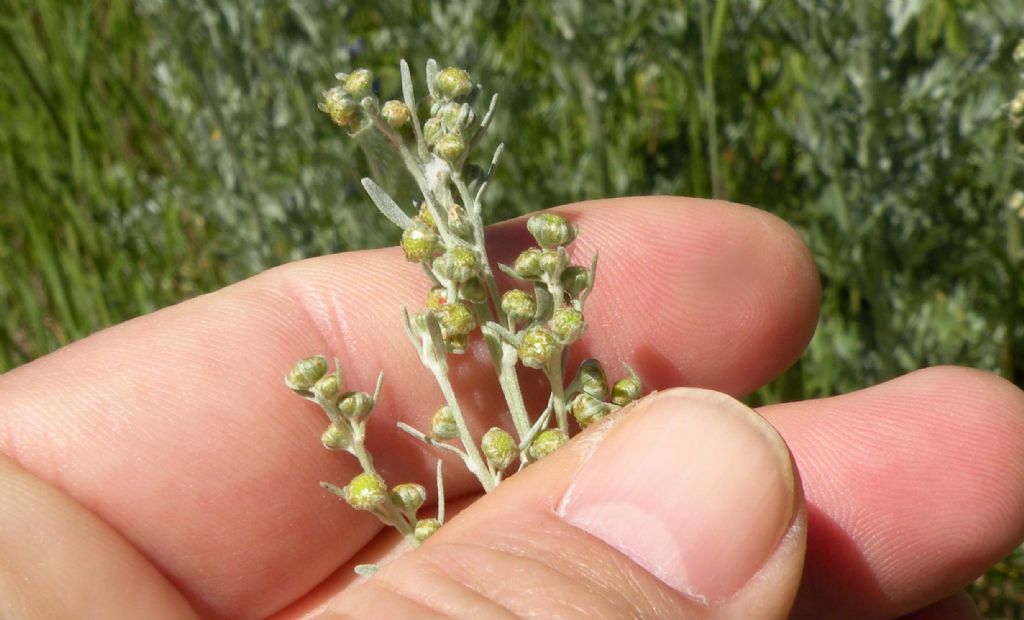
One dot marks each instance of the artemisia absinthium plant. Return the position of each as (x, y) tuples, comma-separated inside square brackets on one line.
[(444, 234)]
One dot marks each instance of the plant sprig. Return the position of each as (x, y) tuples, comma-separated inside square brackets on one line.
[(532, 325)]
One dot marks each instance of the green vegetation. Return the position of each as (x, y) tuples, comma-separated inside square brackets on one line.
[(153, 150)]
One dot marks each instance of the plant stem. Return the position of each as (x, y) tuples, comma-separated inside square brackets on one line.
[(708, 46), (509, 381), (554, 374), (475, 461)]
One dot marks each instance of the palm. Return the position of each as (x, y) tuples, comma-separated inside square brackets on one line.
[(175, 429)]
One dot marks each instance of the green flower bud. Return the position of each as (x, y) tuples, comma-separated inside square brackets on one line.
[(342, 108), (442, 424), (537, 346), (328, 387), (432, 130), (457, 264), (367, 491), (419, 243), (575, 280), (449, 147), (527, 264), (306, 373), (458, 220), (425, 528), (551, 230), (355, 404), (553, 262), (359, 83), (547, 442), (426, 217), (455, 117), (567, 325), (518, 305), (587, 409), (455, 319), (453, 83), (456, 343), (473, 290), (592, 380), (449, 114), (396, 114), (437, 297), (1018, 53), (626, 390), (408, 497), (336, 437), (499, 448)]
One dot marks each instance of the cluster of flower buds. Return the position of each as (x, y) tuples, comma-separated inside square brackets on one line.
[(552, 318), (345, 103), (347, 413), (590, 398)]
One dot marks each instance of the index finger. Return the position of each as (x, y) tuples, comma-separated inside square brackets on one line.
[(176, 429)]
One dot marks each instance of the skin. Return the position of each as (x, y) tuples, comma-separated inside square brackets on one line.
[(160, 468)]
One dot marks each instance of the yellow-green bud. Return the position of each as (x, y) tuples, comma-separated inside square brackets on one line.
[(367, 491), (458, 220), (552, 262), (518, 305), (328, 387), (592, 380), (453, 83), (425, 528), (551, 230), (408, 497), (359, 83), (432, 130), (575, 279), (499, 448), (396, 114), (473, 290), (449, 115), (455, 319), (547, 442), (457, 264), (342, 108), (336, 437), (306, 373), (456, 343), (527, 264), (449, 147), (437, 297), (587, 409), (537, 346), (419, 243), (442, 424), (355, 404), (567, 325), (626, 390), (426, 217), (1018, 53)]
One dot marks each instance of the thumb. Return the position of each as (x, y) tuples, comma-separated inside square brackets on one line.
[(685, 505)]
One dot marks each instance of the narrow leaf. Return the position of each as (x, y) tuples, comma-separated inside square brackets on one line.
[(386, 205)]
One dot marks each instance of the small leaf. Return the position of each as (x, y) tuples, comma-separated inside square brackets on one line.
[(386, 205)]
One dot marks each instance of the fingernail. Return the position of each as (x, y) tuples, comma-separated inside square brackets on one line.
[(693, 486)]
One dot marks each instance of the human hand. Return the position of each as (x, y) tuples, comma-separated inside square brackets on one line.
[(161, 467)]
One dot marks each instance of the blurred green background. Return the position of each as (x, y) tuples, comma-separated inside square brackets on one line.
[(152, 150)]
